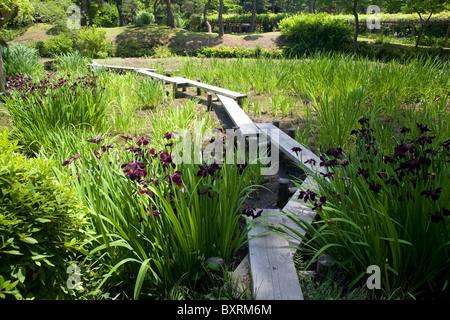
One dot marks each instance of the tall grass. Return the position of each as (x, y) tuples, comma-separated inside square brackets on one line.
[(338, 84), (154, 231), (22, 59), (73, 63), (39, 108), (386, 205)]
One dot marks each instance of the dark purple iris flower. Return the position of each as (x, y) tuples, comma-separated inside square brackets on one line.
[(65, 163), (375, 187), (135, 174), (423, 128), (142, 141), (251, 212), (296, 149), (168, 135), (433, 194), (328, 163), (363, 172), (126, 138), (404, 130), (311, 161), (335, 152), (306, 195), (95, 140)]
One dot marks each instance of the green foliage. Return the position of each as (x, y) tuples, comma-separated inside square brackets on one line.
[(107, 16), (132, 48), (144, 18), (72, 63), (57, 45), (386, 204), (306, 33), (92, 42), (39, 108), (237, 52), (22, 59), (41, 223)]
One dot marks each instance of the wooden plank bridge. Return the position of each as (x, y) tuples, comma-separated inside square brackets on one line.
[(273, 273)]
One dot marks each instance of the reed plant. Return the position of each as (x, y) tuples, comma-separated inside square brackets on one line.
[(38, 108), (155, 222), (385, 206)]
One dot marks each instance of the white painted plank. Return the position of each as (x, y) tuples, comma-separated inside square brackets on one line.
[(238, 116)]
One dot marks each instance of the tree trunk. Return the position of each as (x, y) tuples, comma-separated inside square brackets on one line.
[(446, 35), (88, 11), (424, 24), (155, 6), (355, 36), (119, 9), (253, 19), (2, 73), (221, 32), (205, 16), (170, 17), (311, 6)]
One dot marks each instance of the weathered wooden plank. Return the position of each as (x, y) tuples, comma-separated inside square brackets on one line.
[(274, 276), (238, 116), (285, 143)]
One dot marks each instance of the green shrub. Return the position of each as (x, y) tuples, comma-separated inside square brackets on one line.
[(144, 18), (40, 47), (107, 16), (60, 44), (132, 48), (22, 59), (306, 33), (41, 222), (238, 52), (92, 42)]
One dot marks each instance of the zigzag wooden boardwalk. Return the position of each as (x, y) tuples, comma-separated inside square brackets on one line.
[(273, 273)]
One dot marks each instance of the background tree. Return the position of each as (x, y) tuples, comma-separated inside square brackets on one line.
[(221, 29), (119, 8), (205, 16), (253, 18), (353, 6), (170, 17), (424, 9)]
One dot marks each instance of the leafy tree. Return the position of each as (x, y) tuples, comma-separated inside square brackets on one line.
[(353, 6), (425, 9)]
